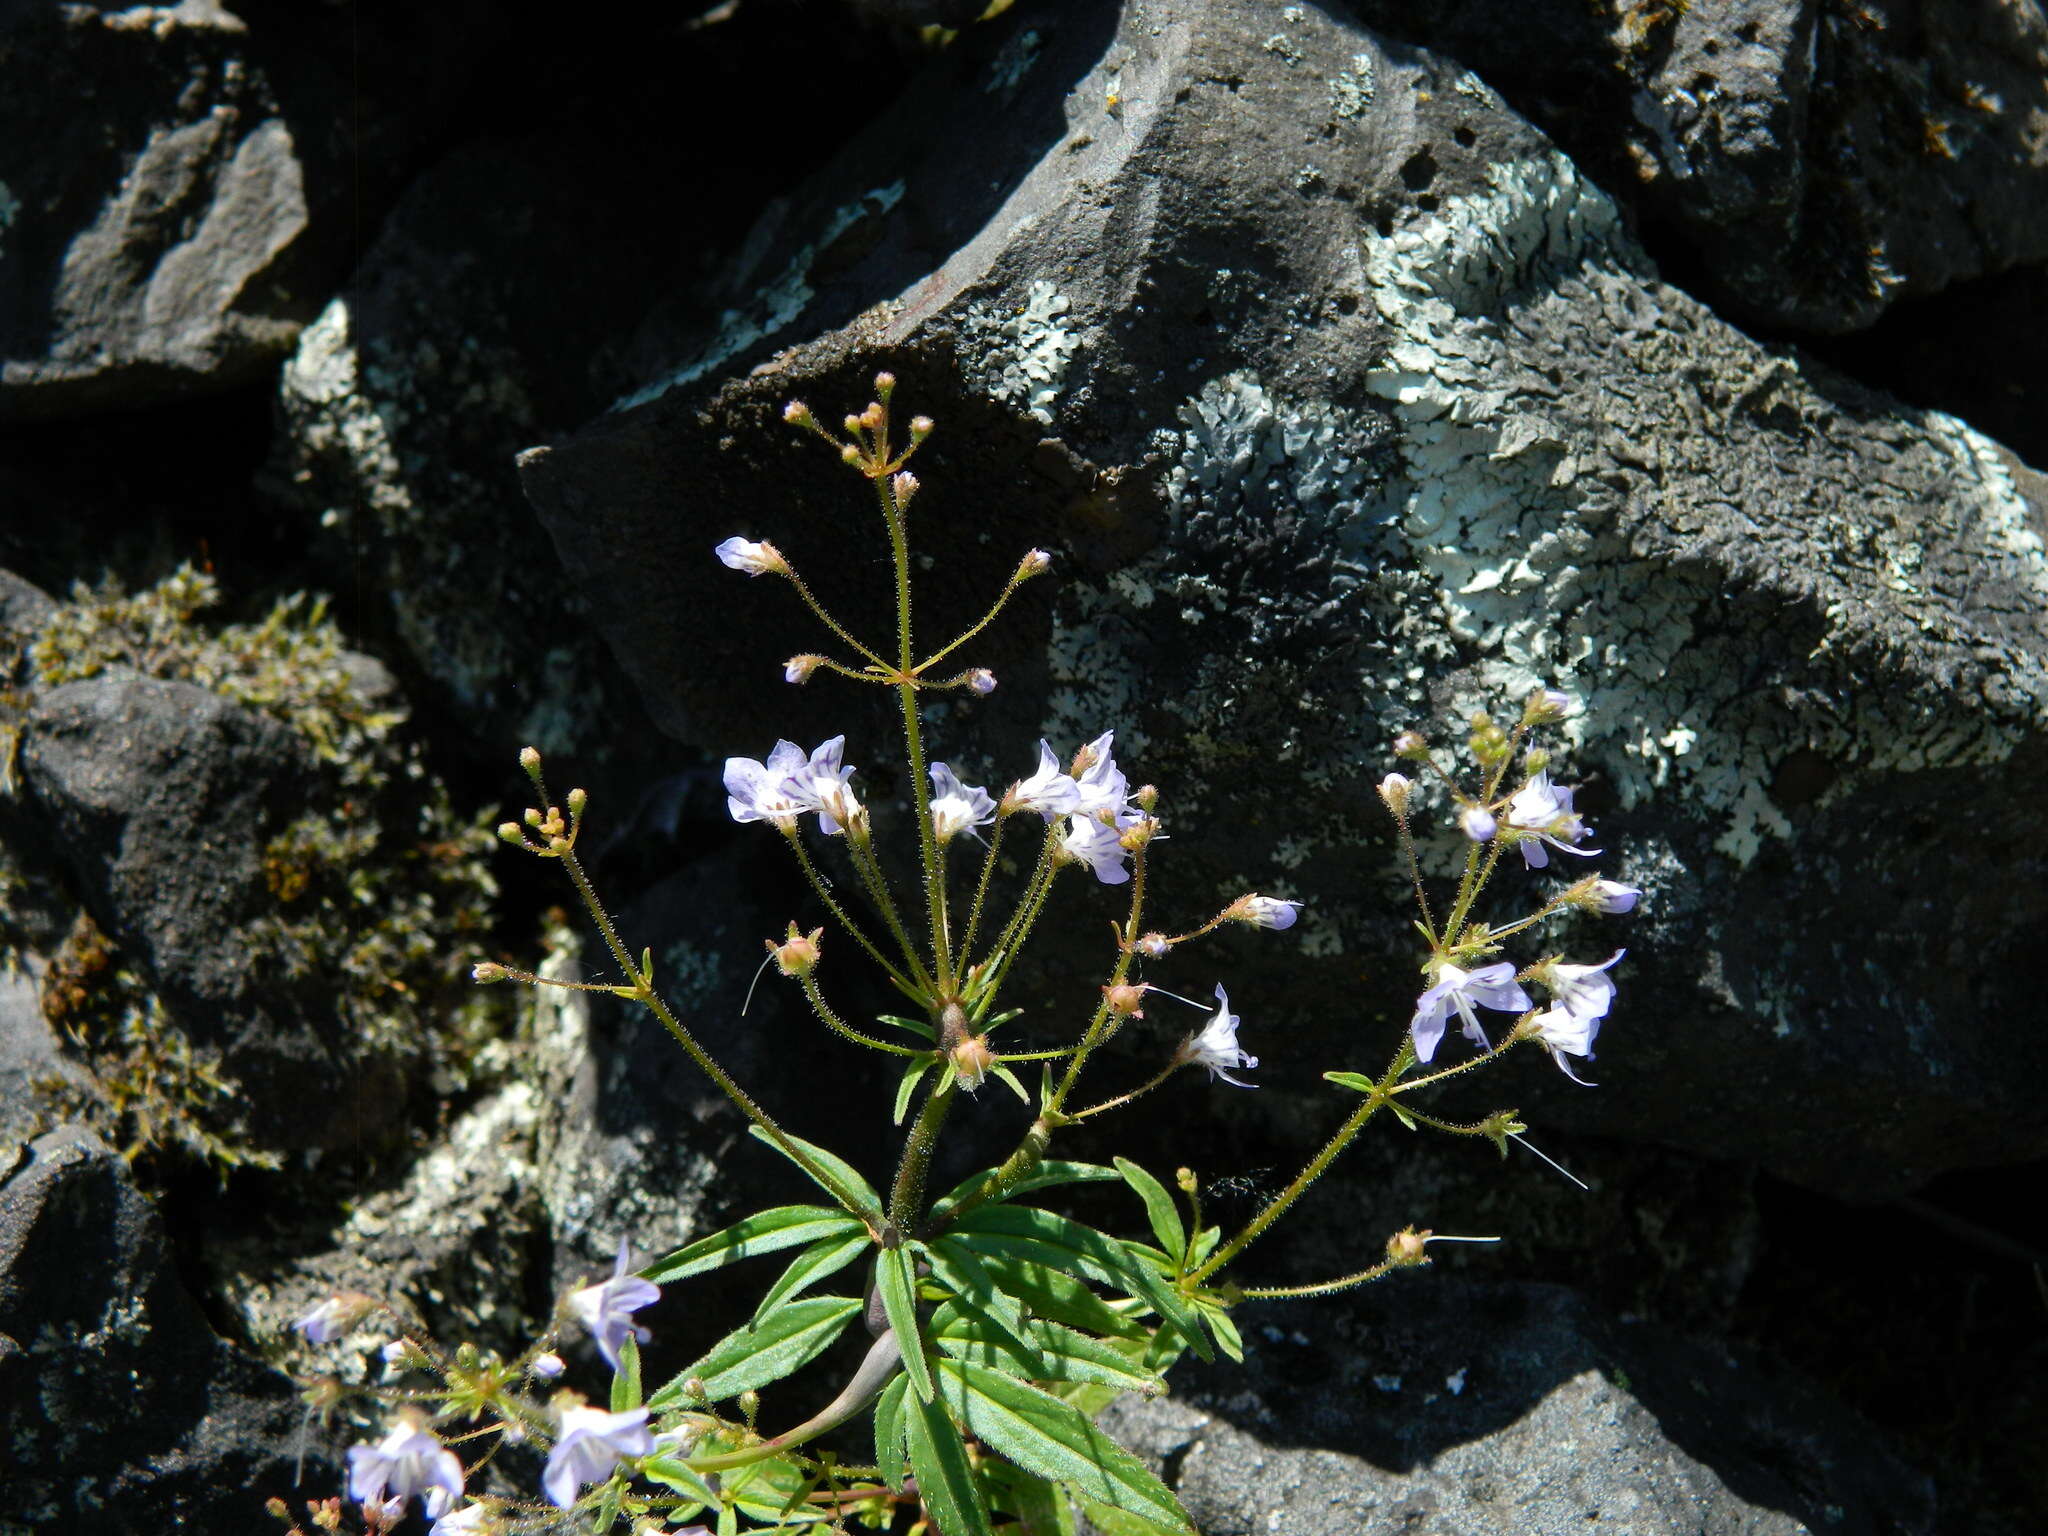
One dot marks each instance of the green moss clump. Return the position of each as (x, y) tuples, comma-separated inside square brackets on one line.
[(379, 893)]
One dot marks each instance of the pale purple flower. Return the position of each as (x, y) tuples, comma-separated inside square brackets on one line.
[(1585, 992), (467, 1521), (1491, 986), (1049, 791), (757, 791), (548, 1366), (1216, 1046), (1559, 1032), (1613, 898), (407, 1462), (334, 1317), (822, 785), (589, 1447), (756, 559), (605, 1309), (1546, 810), (1478, 823), (1034, 561), (957, 807), (1099, 846), (1102, 784), (982, 681), (1154, 945), (1267, 911)]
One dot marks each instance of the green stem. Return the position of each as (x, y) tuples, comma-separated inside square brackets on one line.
[(907, 1194), (1100, 1028), (837, 1025), (966, 635), (1124, 1098), (988, 869), (869, 868), (803, 857), (1323, 1288), (828, 621)]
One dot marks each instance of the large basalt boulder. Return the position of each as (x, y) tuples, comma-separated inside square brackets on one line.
[(1346, 400), (1501, 1410), (120, 1408), (160, 797)]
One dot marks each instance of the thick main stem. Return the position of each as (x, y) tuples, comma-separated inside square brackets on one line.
[(907, 1194)]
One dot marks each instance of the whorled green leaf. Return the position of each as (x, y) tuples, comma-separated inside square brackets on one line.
[(945, 1480), (1035, 1350), (956, 1268), (1228, 1339), (626, 1379), (786, 1226), (1045, 1237), (764, 1351), (1354, 1080), (915, 1026), (1040, 1508), (907, 1086), (1159, 1210), (889, 1431), (839, 1178), (896, 1283), (825, 1257), (1009, 1079), (1047, 1175), (671, 1472), (1055, 1439), (1051, 1294)]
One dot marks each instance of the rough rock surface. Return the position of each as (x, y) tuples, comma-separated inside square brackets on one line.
[(1499, 1411), (120, 1409), (32, 1065), (160, 796), (1437, 433), (1811, 163)]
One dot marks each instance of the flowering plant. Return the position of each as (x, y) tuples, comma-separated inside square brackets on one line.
[(998, 1326)]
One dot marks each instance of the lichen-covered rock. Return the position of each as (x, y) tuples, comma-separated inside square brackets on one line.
[(1497, 1411), (1816, 163), (1348, 400), (120, 1409)]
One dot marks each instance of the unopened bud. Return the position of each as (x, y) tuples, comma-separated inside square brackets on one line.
[(1154, 945), (529, 759), (533, 816), (487, 971), (1478, 823), (971, 1061), (1124, 999), (797, 414), (547, 1366), (1034, 563), (559, 846), (798, 669), (1263, 911), (920, 428), (872, 417), (694, 1386), (905, 485), (885, 384), (1408, 1247), (750, 1405), (1395, 789), (1536, 760), (1410, 744), (1612, 897), (577, 801), (509, 831), (850, 453), (1546, 705), (852, 424), (797, 955), (1184, 1178), (982, 681)]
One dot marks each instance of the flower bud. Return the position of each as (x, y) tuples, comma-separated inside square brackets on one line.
[(559, 846), (971, 1061), (850, 453), (885, 384), (796, 955), (920, 428), (1124, 999), (1613, 898), (577, 801), (1394, 789), (756, 557), (1545, 706), (852, 424), (1478, 823), (750, 1405), (798, 669), (509, 831), (982, 681), (1408, 1247), (547, 1366), (1263, 911), (1409, 744), (487, 971), (533, 816), (529, 759), (797, 414), (694, 1387), (1154, 945), (1536, 760), (1146, 797), (872, 418), (1034, 563)]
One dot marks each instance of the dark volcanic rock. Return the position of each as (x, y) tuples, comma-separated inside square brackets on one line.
[(120, 1409), (1501, 1410), (1812, 163), (160, 797), (1348, 401)]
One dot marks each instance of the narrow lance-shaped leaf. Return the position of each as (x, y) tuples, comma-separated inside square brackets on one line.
[(626, 1379), (889, 1432), (1049, 1352), (1055, 1439), (835, 1174), (945, 1480), (825, 1257), (896, 1280), (786, 1226), (907, 1086), (1159, 1210), (765, 1351), (1047, 1175)]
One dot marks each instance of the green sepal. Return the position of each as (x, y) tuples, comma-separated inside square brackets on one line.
[(896, 1281), (1054, 1439), (908, 1086), (1159, 1210), (945, 1479), (1357, 1080), (837, 1176), (764, 1351), (786, 1226), (1030, 1233), (1499, 1126), (626, 1394), (825, 1257), (889, 1431)]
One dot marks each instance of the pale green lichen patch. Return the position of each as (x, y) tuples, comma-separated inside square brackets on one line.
[(1025, 351)]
